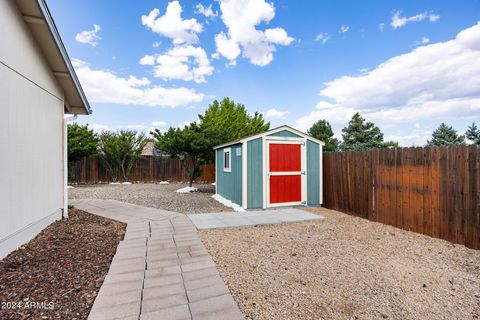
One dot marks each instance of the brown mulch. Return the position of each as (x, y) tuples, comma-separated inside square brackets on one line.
[(57, 274), (345, 267)]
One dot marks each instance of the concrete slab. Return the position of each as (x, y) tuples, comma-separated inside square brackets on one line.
[(251, 218)]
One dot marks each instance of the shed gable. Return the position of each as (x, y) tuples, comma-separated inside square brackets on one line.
[(285, 133)]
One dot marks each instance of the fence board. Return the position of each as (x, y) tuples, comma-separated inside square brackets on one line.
[(434, 191), (145, 169)]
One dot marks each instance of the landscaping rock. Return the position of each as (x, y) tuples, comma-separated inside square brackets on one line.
[(337, 269), (158, 196)]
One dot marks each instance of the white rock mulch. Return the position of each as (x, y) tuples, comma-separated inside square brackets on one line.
[(228, 203), (187, 190)]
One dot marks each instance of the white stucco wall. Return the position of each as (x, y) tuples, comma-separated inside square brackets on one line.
[(31, 135)]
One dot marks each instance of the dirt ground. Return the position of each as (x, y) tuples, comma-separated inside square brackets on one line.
[(57, 275), (155, 196), (345, 268)]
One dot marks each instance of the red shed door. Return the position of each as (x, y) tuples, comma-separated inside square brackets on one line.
[(285, 173)]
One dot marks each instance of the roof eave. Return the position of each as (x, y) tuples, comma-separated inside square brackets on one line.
[(63, 52)]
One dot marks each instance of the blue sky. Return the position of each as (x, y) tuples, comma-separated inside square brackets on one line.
[(405, 65)]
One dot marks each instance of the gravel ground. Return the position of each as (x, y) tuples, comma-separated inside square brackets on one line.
[(57, 275), (345, 268), (154, 195)]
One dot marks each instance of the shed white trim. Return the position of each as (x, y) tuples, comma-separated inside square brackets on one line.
[(244, 175), (229, 168), (320, 160)]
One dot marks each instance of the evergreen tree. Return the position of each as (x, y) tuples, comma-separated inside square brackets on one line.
[(473, 134), (362, 135), (445, 136), (322, 131)]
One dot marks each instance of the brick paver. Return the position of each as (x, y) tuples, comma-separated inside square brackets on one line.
[(161, 269)]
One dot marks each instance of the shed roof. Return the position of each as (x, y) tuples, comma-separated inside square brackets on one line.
[(266, 133), (37, 16)]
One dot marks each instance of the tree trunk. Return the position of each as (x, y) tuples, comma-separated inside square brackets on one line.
[(192, 174)]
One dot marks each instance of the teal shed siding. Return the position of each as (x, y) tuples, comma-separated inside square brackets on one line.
[(285, 133), (313, 173), (229, 184), (254, 174)]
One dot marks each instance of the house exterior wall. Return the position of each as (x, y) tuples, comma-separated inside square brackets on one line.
[(31, 135), (229, 184), (313, 173), (254, 174)]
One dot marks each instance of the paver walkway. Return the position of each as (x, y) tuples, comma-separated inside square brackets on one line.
[(251, 218), (161, 269)]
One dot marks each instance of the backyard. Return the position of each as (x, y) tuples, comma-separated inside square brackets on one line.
[(341, 267)]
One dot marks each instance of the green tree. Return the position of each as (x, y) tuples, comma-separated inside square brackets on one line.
[(192, 145), (390, 144), (445, 136), (362, 135), (82, 142), (131, 145), (473, 134), (322, 131), (231, 120), (109, 152)]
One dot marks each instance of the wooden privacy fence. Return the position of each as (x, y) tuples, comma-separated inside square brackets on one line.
[(434, 191), (145, 169)]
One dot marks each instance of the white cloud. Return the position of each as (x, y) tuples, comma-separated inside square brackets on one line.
[(227, 47), (275, 114), (148, 60), (278, 36), (159, 124), (413, 138), (185, 62), (136, 127), (99, 127), (423, 40), (104, 86), (399, 21), (428, 83), (171, 24), (433, 17), (156, 44), (206, 11), (241, 17), (344, 28), (323, 37), (89, 36)]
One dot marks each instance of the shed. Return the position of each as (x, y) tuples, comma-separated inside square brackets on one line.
[(279, 167)]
